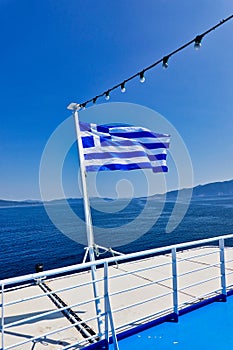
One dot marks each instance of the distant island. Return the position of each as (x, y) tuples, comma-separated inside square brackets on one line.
[(224, 188), (8, 203)]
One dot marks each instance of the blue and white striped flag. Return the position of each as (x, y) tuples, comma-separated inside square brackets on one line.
[(121, 147)]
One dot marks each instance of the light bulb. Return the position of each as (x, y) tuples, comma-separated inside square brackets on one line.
[(165, 62), (107, 96), (197, 46), (123, 89), (83, 105), (197, 42), (142, 78)]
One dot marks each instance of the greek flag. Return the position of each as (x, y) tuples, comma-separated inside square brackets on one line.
[(121, 147)]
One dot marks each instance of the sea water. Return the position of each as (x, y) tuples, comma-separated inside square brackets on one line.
[(28, 236)]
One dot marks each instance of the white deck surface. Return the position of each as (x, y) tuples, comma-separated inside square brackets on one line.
[(80, 294)]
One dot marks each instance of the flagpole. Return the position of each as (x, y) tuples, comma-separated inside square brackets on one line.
[(89, 227)]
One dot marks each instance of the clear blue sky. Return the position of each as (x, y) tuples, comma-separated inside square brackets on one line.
[(54, 52)]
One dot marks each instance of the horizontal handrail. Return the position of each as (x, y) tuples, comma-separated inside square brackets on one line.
[(197, 256), (125, 273), (84, 266), (43, 314), (228, 261), (149, 316), (137, 287), (37, 296), (199, 269), (200, 282), (195, 300), (57, 330), (229, 273), (50, 333), (142, 302)]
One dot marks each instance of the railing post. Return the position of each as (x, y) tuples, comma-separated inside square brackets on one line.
[(2, 317), (175, 286), (108, 311), (223, 270), (106, 307)]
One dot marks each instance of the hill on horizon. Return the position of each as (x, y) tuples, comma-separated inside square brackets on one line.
[(221, 188)]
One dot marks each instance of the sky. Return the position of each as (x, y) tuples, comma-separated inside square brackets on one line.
[(54, 52)]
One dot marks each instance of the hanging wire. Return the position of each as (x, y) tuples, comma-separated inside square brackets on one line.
[(197, 44)]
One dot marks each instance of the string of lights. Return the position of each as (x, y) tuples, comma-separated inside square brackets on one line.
[(164, 60)]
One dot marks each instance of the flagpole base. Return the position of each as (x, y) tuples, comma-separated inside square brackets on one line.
[(99, 250)]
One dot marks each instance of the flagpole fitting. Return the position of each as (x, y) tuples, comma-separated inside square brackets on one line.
[(74, 106)]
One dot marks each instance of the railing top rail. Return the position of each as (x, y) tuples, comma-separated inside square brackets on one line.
[(83, 266)]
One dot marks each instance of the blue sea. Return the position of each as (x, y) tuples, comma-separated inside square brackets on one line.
[(28, 237)]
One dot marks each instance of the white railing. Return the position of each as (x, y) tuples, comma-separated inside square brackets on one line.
[(115, 295)]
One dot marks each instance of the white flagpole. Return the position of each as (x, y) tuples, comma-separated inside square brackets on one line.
[(89, 228)]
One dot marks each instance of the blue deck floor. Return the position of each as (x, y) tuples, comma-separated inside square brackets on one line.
[(210, 327)]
